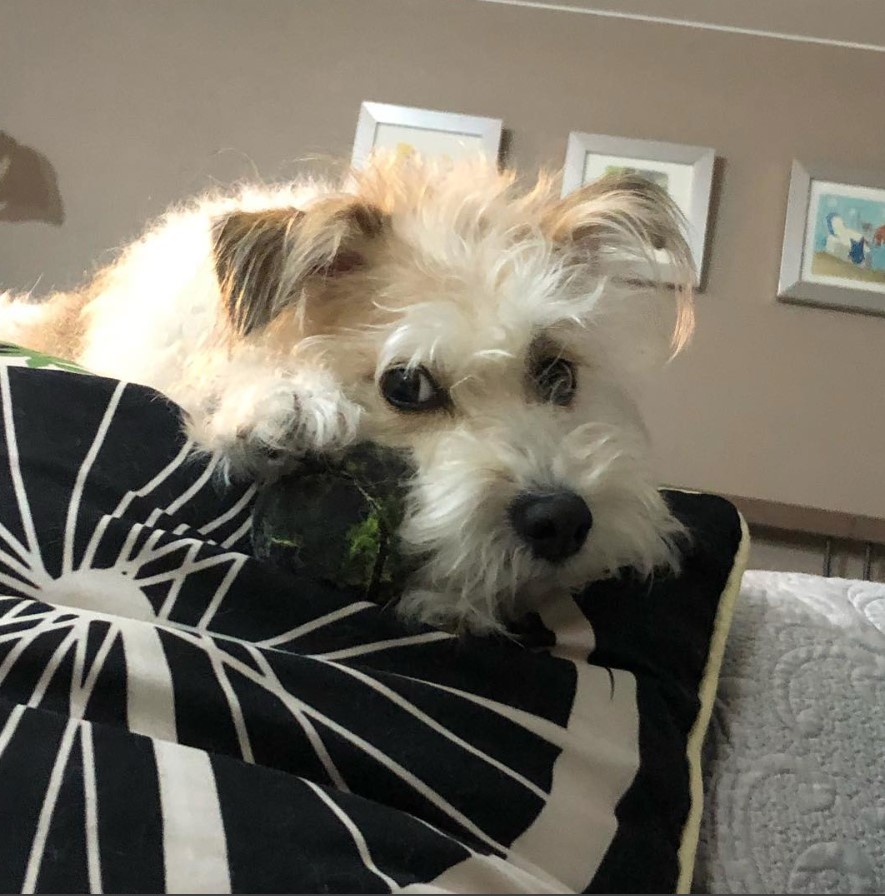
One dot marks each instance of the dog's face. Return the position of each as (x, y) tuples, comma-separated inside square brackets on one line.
[(477, 328)]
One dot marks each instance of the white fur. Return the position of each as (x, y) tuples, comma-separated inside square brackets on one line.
[(470, 277)]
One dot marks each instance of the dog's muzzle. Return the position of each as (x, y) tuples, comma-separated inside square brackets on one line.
[(554, 525)]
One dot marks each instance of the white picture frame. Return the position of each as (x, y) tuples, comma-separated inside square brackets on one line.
[(431, 133), (685, 172), (833, 252)]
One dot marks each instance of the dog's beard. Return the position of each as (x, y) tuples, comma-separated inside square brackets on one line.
[(477, 573)]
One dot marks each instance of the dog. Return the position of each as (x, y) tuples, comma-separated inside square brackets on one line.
[(489, 328)]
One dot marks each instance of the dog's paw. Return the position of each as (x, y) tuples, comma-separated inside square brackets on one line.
[(261, 430)]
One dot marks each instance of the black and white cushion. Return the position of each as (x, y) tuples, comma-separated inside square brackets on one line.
[(175, 716)]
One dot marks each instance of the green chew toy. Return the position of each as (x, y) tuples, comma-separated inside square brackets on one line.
[(337, 520)]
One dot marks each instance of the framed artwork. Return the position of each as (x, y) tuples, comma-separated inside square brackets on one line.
[(685, 172), (405, 130), (834, 239)]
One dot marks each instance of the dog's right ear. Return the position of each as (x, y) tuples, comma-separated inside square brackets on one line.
[(266, 259)]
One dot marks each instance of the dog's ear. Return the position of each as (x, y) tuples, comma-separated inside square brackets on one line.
[(624, 218), (617, 209), (265, 260)]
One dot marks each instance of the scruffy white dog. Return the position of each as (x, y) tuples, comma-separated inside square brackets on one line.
[(484, 327)]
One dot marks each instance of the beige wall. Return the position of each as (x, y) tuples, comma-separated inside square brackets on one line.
[(820, 20), (136, 104)]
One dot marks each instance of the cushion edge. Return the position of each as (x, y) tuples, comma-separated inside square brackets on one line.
[(707, 697)]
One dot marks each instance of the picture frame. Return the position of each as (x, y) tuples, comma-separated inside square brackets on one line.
[(685, 172), (436, 134), (833, 253)]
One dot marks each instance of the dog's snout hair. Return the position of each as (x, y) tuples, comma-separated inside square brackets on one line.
[(460, 512), (489, 327)]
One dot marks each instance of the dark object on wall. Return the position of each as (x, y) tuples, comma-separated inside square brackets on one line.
[(28, 185)]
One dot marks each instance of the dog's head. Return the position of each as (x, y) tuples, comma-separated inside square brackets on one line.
[(492, 332)]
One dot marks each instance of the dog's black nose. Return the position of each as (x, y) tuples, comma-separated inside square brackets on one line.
[(553, 524)]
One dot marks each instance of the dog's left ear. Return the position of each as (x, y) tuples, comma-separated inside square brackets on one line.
[(618, 209), (620, 218), (266, 260)]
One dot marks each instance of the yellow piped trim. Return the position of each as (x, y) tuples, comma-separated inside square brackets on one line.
[(707, 694)]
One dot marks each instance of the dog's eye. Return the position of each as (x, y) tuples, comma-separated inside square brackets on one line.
[(411, 389), (556, 381)]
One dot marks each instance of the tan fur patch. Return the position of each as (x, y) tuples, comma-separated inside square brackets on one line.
[(55, 326)]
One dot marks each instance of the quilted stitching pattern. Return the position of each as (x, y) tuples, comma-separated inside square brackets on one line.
[(796, 750)]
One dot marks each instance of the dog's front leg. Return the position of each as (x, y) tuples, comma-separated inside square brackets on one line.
[(261, 423)]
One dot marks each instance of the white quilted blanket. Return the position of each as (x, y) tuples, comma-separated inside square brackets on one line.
[(795, 768)]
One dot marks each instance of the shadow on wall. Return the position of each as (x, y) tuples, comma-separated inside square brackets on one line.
[(28, 185)]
